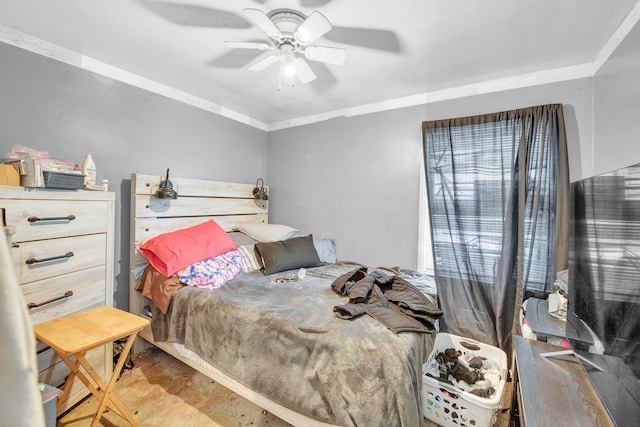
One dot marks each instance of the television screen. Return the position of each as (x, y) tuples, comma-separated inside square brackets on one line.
[(603, 318)]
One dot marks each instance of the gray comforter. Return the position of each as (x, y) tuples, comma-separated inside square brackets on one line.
[(284, 341)]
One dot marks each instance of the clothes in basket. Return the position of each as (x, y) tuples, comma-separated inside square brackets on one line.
[(461, 395)]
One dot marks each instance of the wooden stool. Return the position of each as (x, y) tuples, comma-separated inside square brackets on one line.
[(77, 333)]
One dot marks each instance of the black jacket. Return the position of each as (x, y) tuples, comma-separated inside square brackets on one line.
[(389, 299)]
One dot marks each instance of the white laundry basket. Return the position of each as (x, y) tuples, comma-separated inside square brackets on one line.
[(449, 406)]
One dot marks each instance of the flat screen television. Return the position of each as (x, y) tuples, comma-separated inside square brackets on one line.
[(603, 315)]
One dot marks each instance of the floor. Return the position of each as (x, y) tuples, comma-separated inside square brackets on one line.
[(163, 392)]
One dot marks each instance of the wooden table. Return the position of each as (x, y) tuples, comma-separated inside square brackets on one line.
[(554, 391), (75, 334)]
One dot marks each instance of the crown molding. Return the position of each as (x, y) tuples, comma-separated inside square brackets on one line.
[(480, 88), (59, 53), (617, 37)]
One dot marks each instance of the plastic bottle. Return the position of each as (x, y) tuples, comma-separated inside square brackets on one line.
[(89, 170)]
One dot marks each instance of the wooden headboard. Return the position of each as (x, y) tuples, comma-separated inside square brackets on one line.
[(227, 203)]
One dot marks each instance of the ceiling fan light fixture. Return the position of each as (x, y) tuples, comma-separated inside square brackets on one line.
[(290, 33), (289, 70), (287, 58)]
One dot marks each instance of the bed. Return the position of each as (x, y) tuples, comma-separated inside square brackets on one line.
[(274, 338)]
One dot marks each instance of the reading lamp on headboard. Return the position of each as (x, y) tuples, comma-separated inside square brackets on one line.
[(260, 193), (166, 190)]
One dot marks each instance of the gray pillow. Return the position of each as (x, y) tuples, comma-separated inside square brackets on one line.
[(241, 239), (326, 249), (289, 254)]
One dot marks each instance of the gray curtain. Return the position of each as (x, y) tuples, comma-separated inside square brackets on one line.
[(498, 192)]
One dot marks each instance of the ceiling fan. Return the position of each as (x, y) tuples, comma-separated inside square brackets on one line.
[(290, 34)]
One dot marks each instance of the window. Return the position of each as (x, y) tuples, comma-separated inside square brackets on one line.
[(497, 191)]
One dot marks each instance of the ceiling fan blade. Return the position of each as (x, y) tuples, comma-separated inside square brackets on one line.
[(303, 71), (249, 45), (384, 40), (331, 55), (264, 63), (262, 20), (195, 16), (235, 59), (313, 3), (315, 26)]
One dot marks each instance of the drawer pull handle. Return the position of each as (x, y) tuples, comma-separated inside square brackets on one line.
[(32, 260), (34, 305), (55, 218)]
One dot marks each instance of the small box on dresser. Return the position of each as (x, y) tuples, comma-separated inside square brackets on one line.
[(63, 257)]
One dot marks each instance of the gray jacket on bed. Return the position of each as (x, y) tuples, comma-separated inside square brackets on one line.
[(389, 299)]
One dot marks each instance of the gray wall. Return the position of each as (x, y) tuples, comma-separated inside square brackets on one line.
[(617, 108), (356, 179), (66, 111)]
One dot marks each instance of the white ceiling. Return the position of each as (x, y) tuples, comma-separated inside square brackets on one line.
[(395, 49)]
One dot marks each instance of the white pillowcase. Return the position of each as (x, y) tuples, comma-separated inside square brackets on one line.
[(250, 261), (267, 232)]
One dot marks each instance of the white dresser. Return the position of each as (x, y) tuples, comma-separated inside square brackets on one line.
[(63, 255)]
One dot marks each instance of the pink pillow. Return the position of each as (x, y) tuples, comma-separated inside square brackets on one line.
[(173, 251)]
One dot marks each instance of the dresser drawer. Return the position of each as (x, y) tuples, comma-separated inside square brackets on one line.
[(43, 259), (47, 219), (87, 287)]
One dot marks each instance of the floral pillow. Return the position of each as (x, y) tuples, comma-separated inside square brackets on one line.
[(212, 273)]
